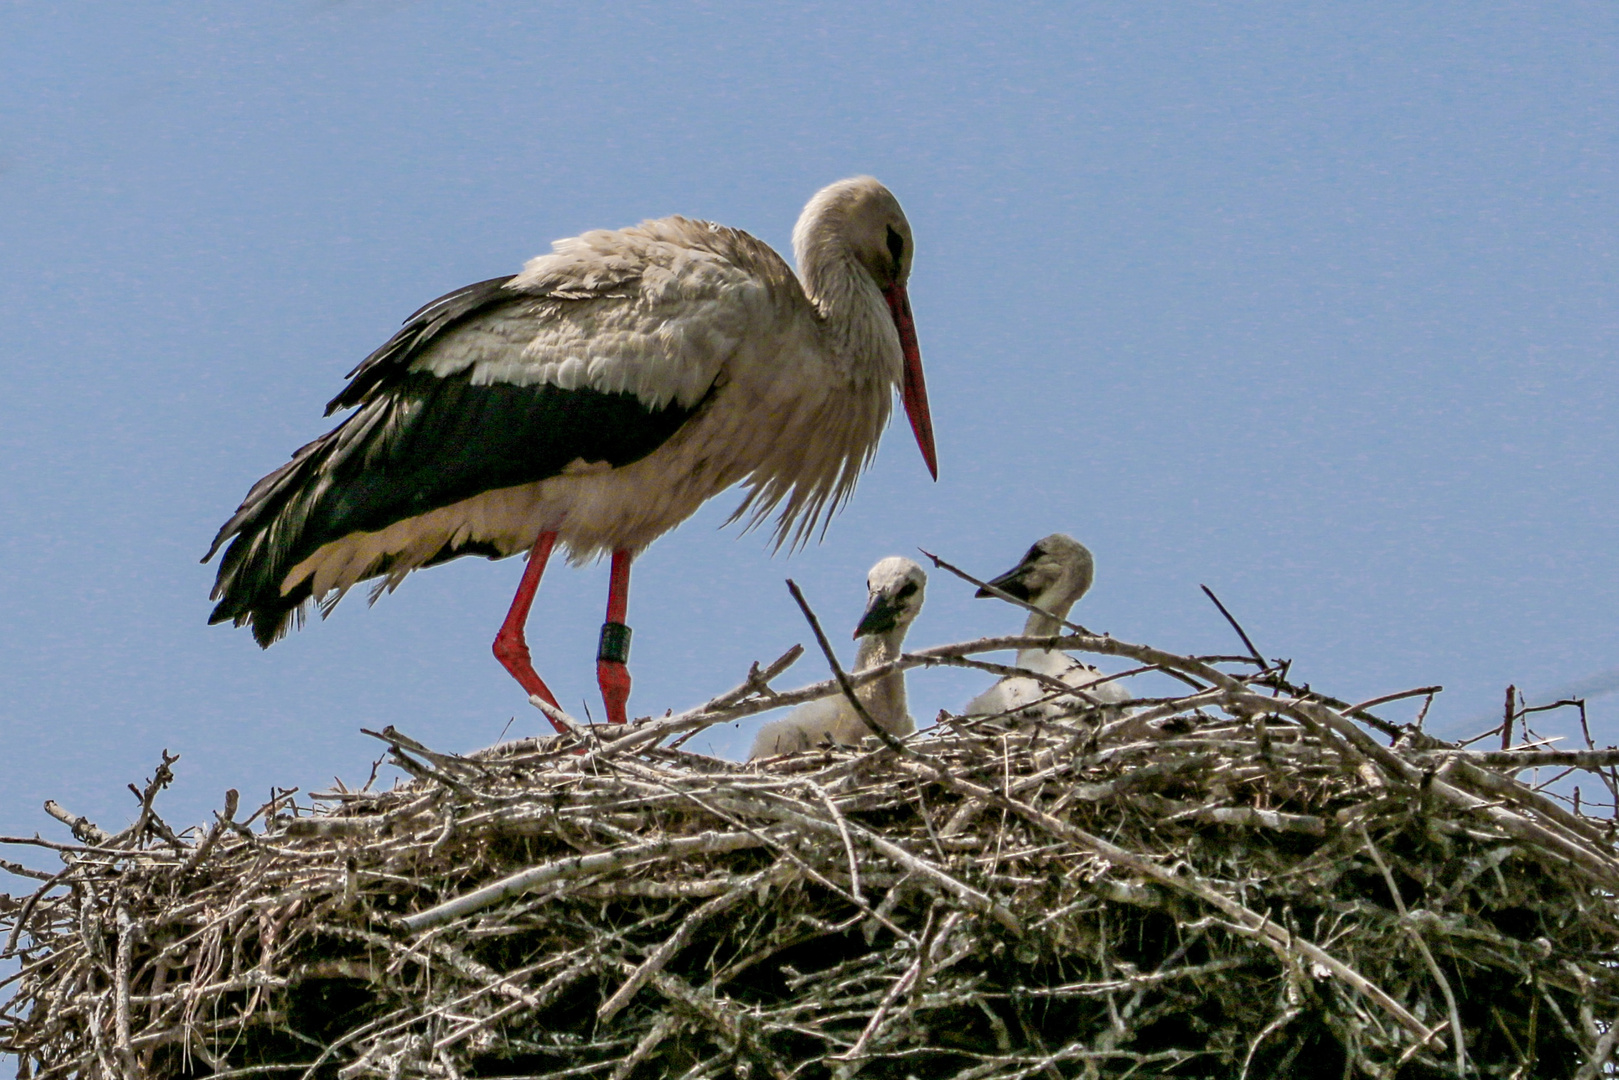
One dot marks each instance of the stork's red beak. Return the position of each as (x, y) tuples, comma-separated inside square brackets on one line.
[(913, 391)]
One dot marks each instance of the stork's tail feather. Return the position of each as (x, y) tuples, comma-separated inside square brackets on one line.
[(270, 615), (267, 536), (248, 587), (344, 484)]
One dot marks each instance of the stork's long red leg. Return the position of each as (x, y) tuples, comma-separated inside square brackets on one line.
[(510, 647), (611, 671)]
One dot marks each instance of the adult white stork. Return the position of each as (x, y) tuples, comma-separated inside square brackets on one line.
[(1053, 575), (894, 592), (598, 398)]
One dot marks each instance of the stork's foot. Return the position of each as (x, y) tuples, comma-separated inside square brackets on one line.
[(512, 652), (614, 678)]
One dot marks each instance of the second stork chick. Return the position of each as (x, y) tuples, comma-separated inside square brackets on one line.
[(1054, 574), (894, 590)]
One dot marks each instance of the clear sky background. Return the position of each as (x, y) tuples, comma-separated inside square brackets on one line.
[(1311, 302)]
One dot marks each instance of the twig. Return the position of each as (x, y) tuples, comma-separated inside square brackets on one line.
[(1421, 691), (1517, 760), (1235, 625), (124, 961), (82, 827), (843, 831), (578, 866), (1506, 723), (23, 871)]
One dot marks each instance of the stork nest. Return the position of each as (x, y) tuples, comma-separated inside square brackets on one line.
[(1243, 881)]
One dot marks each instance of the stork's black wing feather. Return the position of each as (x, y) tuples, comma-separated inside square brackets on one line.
[(426, 323), (437, 441)]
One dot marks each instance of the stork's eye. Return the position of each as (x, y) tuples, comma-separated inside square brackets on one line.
[(896, 247), (906, 591)]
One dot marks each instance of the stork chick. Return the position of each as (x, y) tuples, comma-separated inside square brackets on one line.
[(894, 590), (1054, 574)]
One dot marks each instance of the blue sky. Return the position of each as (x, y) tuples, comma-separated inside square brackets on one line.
[(1313, 303)]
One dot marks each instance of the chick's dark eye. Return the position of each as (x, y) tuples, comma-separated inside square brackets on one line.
[(906, 590), (896, 246)]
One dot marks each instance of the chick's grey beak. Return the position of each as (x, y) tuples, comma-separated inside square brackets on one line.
[(881, 616), (1015, 583)]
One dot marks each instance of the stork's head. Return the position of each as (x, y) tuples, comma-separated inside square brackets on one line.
[(859, 219), (894, 591), (1056, 572)]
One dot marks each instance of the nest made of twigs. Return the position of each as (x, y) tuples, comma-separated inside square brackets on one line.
[(1241, 881)]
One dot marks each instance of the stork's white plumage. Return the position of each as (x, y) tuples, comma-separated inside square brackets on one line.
[(894, 592), (1054, 574), (597, 398)]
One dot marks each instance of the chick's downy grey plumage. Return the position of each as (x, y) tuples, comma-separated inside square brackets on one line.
[(1053, 575), (894, 588)]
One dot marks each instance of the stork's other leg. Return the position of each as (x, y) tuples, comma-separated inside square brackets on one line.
[(510, 647), (611, 671)]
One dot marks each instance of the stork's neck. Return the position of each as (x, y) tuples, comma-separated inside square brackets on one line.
[(855, 321), (1039, 625), (884, 698), (877, 649)]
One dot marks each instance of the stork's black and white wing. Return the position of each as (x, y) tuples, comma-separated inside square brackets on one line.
[(594, 356)]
